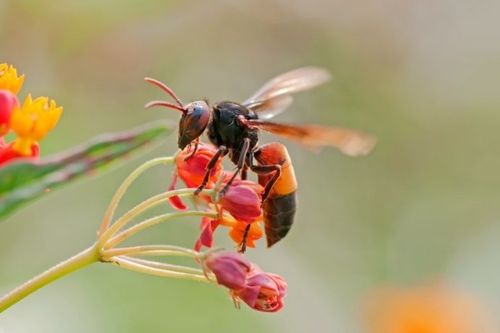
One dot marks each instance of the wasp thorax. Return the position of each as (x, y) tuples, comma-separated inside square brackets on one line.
[(193, 122)]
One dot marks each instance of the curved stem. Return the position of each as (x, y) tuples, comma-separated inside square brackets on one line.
[(108, 216), (151, 222), (74, 263), (133, 266), (165, 266), (158, 250), (143, 206)]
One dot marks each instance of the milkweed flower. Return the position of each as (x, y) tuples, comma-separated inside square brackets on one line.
[(236, 231), (33, 121), (9, 80), (8, 101), (263, 291), (191, 169), (230, 269), (30, 121), (243, 200), (246, 282)]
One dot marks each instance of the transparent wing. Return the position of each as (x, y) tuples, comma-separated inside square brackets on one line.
[(275, 96), (348, 141)]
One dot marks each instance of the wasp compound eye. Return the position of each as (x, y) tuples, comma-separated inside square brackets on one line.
[(193, 122)]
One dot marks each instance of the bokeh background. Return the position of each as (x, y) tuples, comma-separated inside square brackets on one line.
[(423, 76)]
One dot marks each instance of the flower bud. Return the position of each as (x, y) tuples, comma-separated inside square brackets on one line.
[(9, 80), (243, 200), (230, 269), (263, 291), (8, 101)]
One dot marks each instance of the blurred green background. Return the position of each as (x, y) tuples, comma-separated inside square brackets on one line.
[(423, 76)]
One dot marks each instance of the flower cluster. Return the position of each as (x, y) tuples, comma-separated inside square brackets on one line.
[(30, 121), (239, 207), (260, 290), (240, 210)]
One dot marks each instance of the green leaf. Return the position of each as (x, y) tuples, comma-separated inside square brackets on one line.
[(24, 180)]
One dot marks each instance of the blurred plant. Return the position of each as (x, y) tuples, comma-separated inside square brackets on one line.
[(245, 281), (426, 309), (23, 177), (30, 121)]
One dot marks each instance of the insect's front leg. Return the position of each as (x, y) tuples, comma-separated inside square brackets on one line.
[(221, 152), (196, 143)]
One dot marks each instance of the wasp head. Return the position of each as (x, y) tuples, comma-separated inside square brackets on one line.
[(195, 115), (193, 122)]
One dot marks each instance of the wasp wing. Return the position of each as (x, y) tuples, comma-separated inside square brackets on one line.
[(348, 141), (275, 96)]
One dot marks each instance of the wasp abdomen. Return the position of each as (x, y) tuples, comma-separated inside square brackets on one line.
[(279, 212), (280, 206)]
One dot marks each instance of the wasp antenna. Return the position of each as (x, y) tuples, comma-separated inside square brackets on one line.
[(166, 89), (165, 104)]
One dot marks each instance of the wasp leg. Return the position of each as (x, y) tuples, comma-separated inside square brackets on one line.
[(260, 170), (264, 170), (241, 163), (222, 151), (244, 172), (194, 150), (243, 244)]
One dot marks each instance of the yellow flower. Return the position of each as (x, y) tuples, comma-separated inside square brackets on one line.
[(33, 121), (9, 80)]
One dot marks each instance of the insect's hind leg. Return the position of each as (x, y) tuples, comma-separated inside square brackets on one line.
[(260, 170), (264, 170)]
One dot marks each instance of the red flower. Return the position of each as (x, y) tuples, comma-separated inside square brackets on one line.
[(207, 227), (237, 229), (7, 153), (243, 200), (192, 170), (7, 103), (259, 290), (263, 291)]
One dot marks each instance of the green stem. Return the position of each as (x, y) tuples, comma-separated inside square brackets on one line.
[(134, 266), (151, 222), (164, 266), (82, 259), (108, 216), (143, 206), (158, 250)]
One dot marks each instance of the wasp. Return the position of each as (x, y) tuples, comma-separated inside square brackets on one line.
[(234, 128)]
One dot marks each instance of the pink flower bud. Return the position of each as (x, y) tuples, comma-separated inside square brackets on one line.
[(243, 200), (230, 269), (263, 291), (7, 103)]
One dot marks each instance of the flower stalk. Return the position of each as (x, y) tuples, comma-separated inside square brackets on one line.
[(81, 260)]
